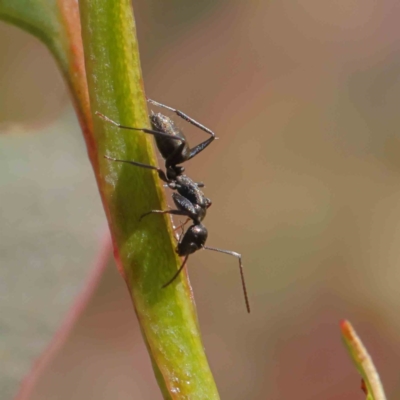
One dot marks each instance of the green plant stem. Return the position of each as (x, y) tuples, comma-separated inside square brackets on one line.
[(144, 250)]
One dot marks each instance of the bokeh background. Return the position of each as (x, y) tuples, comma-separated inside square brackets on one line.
[(305, 183)]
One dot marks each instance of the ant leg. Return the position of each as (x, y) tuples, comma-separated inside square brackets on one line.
[(239, 256), (182, 225), (145, 130), (183, 205), (173, 212), (182, 230), (177, 273), (199, 185), (160, 172), (200, 147), (183, 116), (179, 238)]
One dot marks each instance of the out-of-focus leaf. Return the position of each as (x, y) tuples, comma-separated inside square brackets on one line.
[(371, 383), (41, 366), (39, 17), (56, 23)]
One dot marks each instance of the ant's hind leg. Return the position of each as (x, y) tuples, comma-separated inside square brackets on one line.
[(183, 116), (172, 212), (145, 130), (183, 205), (160, 172), (200, 147), (181, 226)]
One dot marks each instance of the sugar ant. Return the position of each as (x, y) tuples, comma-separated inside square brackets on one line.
[(189, 200)]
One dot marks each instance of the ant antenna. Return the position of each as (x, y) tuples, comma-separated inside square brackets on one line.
[(176, 273), (237, 255)]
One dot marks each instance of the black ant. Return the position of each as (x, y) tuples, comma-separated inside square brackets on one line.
[(190, 200)]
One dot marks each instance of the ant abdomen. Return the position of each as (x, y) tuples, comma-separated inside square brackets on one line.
[(172, 150)]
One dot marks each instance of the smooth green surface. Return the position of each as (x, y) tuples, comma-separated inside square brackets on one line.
[(145, 249)]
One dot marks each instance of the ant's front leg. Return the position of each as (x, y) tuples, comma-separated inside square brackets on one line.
[(161, 173), (181, 226), (183, 205), (172, 212)]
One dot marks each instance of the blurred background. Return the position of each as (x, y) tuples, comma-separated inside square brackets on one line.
[(305, 183)]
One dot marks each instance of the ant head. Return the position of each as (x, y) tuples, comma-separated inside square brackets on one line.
[(193, 240)]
